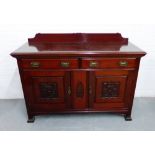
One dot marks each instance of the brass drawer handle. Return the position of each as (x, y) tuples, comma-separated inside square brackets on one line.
[(35, 64), (123, 63), (65, 64), (93, 64)]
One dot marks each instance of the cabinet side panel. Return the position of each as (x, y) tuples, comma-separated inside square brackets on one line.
[(25, 87), (132, 80)]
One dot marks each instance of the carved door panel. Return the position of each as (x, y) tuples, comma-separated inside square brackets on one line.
[(79, 84), (107, 89), (49, 90)]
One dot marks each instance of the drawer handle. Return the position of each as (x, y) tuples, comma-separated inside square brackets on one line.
[(123, 63), (35, 64), (93, 64), (65, 64)]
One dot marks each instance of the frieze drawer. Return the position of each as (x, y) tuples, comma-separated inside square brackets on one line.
[(99, 63), (49, 63)]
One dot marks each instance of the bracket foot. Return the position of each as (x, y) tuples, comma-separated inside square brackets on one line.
[(127, 117), (31, 119)]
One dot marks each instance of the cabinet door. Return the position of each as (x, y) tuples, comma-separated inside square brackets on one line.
[(79, 84), (107, 89), (47, 91)]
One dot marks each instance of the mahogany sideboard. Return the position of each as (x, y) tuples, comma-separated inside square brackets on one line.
[(78, 72)]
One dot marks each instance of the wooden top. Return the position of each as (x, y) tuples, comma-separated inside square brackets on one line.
[(78, 44)]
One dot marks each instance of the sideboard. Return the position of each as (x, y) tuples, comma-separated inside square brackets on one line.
[(78, 73)]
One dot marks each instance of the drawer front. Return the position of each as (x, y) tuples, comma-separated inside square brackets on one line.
[(49, 63), (108, 63)]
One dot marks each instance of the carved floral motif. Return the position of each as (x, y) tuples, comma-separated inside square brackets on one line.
[(48, 90), (110, 89)]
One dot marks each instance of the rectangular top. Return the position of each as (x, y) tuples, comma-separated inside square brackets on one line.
[(78, 44)]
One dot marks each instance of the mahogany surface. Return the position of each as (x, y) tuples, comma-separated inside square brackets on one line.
[(78, 72)]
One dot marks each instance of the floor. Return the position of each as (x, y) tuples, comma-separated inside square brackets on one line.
[(13, 117)]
